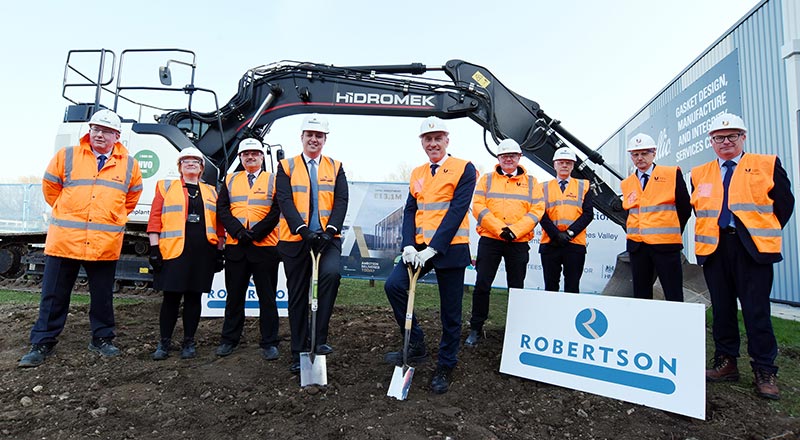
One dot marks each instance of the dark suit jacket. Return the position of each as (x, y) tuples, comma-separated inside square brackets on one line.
[(447, 256), (683, 205), (577, 227), (782, 206), (233, 227), (285, 197)]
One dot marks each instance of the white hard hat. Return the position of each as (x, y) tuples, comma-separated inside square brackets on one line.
[(431, 124), (106, 118), (508, 146), (191, 152), (727, 121), (315, 122), (564, 153), (641, 141), (250, 144)]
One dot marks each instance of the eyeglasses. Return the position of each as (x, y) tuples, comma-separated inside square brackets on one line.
[(191, 161), (105, 131), (731, 138), (641, 153)]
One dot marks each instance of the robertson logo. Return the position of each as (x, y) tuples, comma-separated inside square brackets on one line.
[(385, 99), (596, 360)]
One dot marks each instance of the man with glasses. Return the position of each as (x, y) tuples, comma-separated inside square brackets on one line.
[(742, 201), (247, 208), (507, 204), (658, 207), (92, 188)]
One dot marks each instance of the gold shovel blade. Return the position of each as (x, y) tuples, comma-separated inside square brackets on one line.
[(313, 370), (401, 382)]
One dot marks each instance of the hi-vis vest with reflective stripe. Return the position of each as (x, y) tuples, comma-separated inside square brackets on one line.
[(251, 205), (747, 199), (652, 216), (90, 207), (564, 208), (509, 200), (173, 216), (433, 195), (295, 168)]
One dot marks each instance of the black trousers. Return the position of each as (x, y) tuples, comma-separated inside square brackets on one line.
[(490, 253), (59, 278), (297, 264), (237, 282), (170, 310), (554, 259), (732, 273), (646, 262)]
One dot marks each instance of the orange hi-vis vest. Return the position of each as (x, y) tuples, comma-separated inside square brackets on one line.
[(748, 200), (433, 195), (251, 205), (564, 208), (514, 202), (90, 207), (296, 169), (652, 216), (173, 216)]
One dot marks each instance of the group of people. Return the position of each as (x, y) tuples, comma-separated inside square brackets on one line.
[(741, 202)]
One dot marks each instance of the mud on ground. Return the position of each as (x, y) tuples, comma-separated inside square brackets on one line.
[(78, 395)]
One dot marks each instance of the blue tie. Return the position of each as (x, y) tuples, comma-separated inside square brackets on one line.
[(645, 179), (563, 184), (725, 215), (250, 178), (433, 168), (313, 222), (101, 160)]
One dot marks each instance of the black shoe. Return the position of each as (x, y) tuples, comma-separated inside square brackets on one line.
[(473, 338), (104, 347), (225, 349), (441, 379), (37, 355), (324, 349), (416, 353), (162, 351), (294, 367), (270, 353), (189, 350)]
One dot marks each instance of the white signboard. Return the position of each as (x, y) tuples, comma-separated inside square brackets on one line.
[(214, 301), (642, 351)]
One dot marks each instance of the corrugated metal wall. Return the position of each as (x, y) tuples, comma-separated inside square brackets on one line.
[(759, 38)]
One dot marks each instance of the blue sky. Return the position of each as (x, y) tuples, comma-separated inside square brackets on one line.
[(590, 64)]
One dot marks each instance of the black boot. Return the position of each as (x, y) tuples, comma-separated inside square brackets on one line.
[(416, 353), (189, 349), (162, 351)]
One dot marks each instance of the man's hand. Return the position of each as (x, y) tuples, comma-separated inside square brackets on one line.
[(409, 252), (563, 237), (324, 241), (244, 236), (423, 256), (155, 259), (507, 234), (219, 263), (308, 235)]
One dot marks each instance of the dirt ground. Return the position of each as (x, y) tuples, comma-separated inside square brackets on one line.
[(77, 395)]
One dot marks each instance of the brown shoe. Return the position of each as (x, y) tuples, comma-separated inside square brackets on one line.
[(767, 384), (724, 370)]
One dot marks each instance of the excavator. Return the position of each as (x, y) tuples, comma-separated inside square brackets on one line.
[(457, 89)]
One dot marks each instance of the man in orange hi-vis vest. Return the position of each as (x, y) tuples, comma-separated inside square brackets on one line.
[(312, 195), (742, 201), (92, 188), (657, 203), (435, 236)]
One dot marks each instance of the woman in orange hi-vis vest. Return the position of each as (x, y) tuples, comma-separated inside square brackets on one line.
[(185, 249)]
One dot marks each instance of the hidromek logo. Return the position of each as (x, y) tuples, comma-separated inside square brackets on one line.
[(384, 99), (609, 364)]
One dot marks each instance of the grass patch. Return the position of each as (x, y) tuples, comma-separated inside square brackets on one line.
[(18, 297)]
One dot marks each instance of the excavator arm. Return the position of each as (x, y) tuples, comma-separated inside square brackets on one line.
[(270, 92)]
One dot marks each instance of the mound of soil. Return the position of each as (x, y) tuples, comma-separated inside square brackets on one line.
[(78, 395)]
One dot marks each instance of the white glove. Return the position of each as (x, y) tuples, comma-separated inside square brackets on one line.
[(423, 256), (409, 252)]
